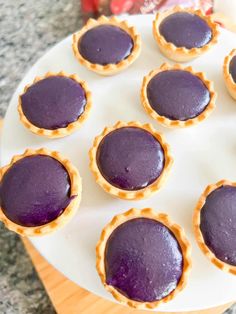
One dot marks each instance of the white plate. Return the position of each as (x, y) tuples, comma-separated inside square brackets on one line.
[(203, 155)]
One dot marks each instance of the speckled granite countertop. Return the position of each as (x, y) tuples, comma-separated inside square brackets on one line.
[(27, 29)]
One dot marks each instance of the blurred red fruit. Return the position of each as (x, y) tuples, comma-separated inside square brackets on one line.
[(121, 6), (90, 5)]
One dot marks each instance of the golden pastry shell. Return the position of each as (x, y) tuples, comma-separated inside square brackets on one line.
[(109, 69), (125, 194), (71, 127), (70, 210), (229, 82), (197, 231), (182, 54), (177, 123), (164, 219)]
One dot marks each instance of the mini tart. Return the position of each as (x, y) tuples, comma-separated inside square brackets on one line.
[(75, 188), (110, 68), (183, 54), (173, 122), (69, 127), (126, 171), (180, 264), (229, 81), (213, 240)]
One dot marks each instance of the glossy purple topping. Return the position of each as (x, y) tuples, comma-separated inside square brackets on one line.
[(54, 102), (218, 223), (130, 158), (185, 30), (143, 260), (177, 94), (105, 44), (35, 191), (232, 68)]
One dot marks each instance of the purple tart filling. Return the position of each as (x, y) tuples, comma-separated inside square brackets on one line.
[(143, 260), (218, 223), (185, 30), (130, 158), (177, 95), (54, 102), (105, 44), (232, 68), (35, 191)]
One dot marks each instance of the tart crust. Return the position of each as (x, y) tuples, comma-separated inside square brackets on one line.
[(229, 82), (71, 127), (124, 194), (197, 231), (70, 210), (109, 69), (183, 54), (147, 213), (177, 123)]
